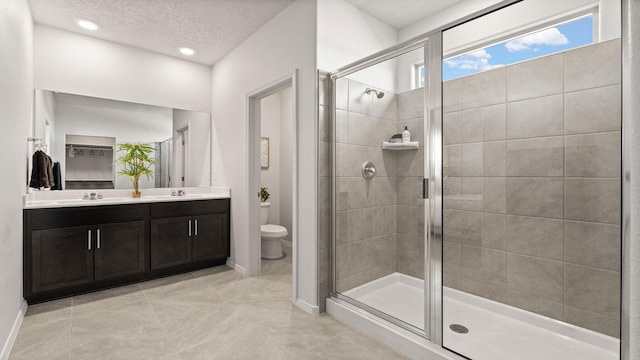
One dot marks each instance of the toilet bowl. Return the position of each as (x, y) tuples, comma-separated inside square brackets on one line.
[(270, 235)]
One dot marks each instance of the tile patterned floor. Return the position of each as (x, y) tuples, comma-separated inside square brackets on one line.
[(208, 314)]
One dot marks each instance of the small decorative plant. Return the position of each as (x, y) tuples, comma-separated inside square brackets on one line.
[(136, 162), (264, 194)]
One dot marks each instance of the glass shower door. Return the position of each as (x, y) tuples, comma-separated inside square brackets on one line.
[(379, 206), (531, 186)]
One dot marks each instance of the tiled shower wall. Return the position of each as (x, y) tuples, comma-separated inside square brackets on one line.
[(365, 209), (532, 185), (380, 222), (409, 174)]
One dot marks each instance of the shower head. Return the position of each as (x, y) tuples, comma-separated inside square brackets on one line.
[(379, 93)]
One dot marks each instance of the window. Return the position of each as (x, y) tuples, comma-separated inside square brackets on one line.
[(418, 75), (559, 37)]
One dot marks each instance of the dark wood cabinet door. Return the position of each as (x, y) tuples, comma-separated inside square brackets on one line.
[(119, 249), (210, 237), (61, 257), (170, 243)]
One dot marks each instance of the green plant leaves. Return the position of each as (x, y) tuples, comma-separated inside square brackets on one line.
[(264, 194), (136, 160)]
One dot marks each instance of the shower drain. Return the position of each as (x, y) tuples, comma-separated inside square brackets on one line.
[(458, 328)]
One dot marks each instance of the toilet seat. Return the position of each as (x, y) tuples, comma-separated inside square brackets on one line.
[(270, 230)]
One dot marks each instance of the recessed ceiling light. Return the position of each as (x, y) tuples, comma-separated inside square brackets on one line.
[(187, 51), (86, 24)]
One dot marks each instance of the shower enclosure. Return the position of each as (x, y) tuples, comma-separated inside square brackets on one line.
[(495, 232), (380, 188)]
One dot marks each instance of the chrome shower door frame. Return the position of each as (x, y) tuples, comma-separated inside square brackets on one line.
[(432, 171), (433, 206)]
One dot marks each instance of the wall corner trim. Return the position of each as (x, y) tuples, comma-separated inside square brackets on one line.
[(306, 307), (234, 266)]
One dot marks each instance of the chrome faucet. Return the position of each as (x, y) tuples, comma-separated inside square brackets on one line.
[(180, 192), (92, 196)]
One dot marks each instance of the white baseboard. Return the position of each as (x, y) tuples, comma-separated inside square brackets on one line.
[(13, 334), (236, 267), (306, 307)]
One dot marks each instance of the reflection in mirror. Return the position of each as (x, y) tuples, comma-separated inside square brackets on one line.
[(83, 133)]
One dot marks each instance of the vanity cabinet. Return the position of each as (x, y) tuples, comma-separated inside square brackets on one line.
[(119, 249), (171, 243), (60, 257), (79, 249), (76, 255), (198, 237), (67, 249)]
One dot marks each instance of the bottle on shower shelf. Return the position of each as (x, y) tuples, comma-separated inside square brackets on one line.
[(406, 136)]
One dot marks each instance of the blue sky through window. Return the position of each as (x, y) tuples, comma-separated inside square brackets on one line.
[(551, 40)]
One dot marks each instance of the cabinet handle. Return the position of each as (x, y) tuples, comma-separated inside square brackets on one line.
[(98, 237), (196, 221), (189, 227), (89, 239)]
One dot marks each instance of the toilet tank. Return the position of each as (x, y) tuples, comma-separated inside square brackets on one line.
[(264, 212)]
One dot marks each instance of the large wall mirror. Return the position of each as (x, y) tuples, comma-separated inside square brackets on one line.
[(83, 133)]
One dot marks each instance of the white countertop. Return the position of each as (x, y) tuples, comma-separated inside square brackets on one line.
[(73, 198)]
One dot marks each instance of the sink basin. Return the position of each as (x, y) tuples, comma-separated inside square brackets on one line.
[(66, 201), (191, 195), (109, 199), (80, 201), (188, 196)]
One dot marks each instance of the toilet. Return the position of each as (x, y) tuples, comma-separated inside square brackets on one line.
[(270, 235)]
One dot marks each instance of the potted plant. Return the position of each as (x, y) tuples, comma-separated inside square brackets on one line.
[(136, 162), (264, 194)]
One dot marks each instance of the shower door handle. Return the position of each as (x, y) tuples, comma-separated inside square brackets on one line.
[(425, 188)]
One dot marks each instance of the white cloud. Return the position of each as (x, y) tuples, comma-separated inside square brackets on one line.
[(474, 61), (551, 36)]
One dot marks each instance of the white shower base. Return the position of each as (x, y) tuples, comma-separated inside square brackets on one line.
[(496, 331)]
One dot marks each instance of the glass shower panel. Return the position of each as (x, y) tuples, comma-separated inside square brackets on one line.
[(379, 247), (531, 186)]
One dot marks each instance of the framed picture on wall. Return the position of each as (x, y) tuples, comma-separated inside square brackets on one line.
[(264, 153)]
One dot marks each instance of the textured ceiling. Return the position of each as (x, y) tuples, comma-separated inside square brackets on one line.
[(401, 13), (211, 27)]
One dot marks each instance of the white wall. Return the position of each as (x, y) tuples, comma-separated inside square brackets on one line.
[(284, 44), (198, 157), (142, 124), (78, 64), (16, 96), (404, 69), (347, 34), (286, 160), (44, 112), (270, 115), (277, 124)]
